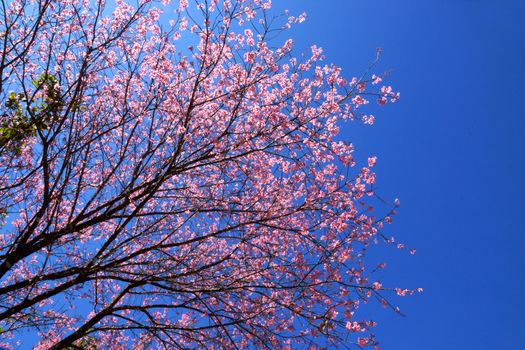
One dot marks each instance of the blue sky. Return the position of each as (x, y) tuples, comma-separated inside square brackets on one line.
[(452, 150)]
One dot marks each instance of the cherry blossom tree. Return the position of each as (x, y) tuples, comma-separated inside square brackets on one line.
[(171, 177)]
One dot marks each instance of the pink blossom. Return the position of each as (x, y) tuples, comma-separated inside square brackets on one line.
[(376, 80), (183, 4), (368, 119), (362, 341), (181, 193), (376, 285)]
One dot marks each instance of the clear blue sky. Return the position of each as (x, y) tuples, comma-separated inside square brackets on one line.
[(452, 150)]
